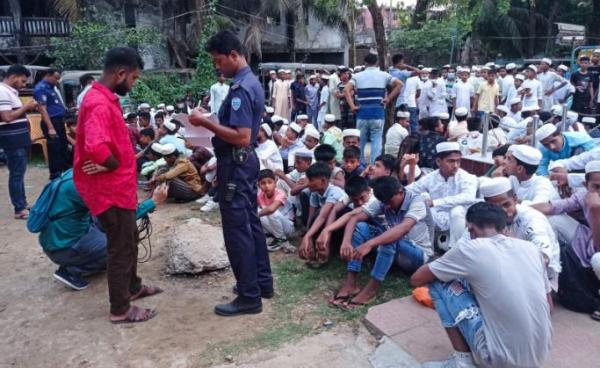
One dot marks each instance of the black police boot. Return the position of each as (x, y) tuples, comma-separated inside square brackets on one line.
[(264, 293), (239, 306)]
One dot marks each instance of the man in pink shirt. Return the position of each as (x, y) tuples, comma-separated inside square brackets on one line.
[(104, 173)]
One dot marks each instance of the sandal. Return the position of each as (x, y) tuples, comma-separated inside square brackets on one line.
[(23, 215), (146, 291), (595, 315), (352, 305), (135, 315)]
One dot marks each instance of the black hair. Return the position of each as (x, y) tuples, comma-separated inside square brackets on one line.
[(155, 153), (584, 57), (351, 152), (85, 79), (410, 145), (494, 120), (51, 71), (371, 59), (325, 153), (17, 70), (473, 124), (318, 170), (546, 115), (224, 43), (159, 114), (430, 123), (122, 57), (266, 173), (500, 151), (356, 186), (174, 153), (397, 58), (148, 132), (486, 215), (529, 169), (131, 115), (145, 115), (386, 187), (388, 161), (492, 71), (307, 159), (526, 114), (443, 155)]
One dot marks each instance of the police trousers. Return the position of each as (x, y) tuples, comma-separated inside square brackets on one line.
[(244, 237)]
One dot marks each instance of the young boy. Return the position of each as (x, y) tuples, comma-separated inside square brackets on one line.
[(144, 142), (323, 197), (351, 137), (311, 137), (271, 203), (290, 144), (326, 153), (385, 165), (267, 151), (181, 175), (397, 132), (144, 120), (352, 166), (429, 140), (295, 184), (333, 136)]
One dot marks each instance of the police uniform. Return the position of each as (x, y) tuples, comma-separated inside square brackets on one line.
[(237, 171), (58, 154)]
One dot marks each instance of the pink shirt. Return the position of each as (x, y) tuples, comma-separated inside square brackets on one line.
[(264, 202), (102, 132)]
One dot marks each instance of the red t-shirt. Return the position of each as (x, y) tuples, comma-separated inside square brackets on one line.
[(102, 132)]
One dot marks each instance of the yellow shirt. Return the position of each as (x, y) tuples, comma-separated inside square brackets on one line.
[(487, 97)]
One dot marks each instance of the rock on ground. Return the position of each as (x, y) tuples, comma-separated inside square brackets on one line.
[(195, 247)]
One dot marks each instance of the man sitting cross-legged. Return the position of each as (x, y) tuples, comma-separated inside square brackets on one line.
[(491, 294)]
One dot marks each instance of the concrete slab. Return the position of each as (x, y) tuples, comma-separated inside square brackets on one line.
[(390, 355), (417, 330)]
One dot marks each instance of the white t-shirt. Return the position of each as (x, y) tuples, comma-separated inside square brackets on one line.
[(393, 138), (218, 92), (269, 156), (507, 276), (410, 91), (463, 92), (536, 92)]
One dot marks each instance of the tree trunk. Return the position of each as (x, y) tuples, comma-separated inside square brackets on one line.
[(551, 19), (420, 14), (15, 9), (379, 32), (532, 28), (593, 23)]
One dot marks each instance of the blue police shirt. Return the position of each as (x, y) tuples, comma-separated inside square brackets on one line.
[(45, 94), (243, 107)]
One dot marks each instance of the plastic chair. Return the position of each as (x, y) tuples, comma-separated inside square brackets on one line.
[(36, 133)]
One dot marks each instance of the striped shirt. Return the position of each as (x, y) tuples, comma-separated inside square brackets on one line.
[(15, 133), (370, 86)]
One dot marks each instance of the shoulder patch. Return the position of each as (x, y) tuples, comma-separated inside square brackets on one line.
[(236, 103)]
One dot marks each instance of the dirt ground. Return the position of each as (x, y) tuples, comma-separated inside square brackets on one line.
[(43, 324)]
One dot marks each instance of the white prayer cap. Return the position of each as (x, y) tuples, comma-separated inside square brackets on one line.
[(417, 170), (330, 118), (157, 147), (494, 187), (296, 128), (276, 118), (267, 129), (447, 66), (476, 68), (281, 71), (588, 120), (427, 70), (160, 106), (444, 116), (144, 106), (511, 66), (303, 152), (520, 77), (532, 67), (167, 149), (288, 71), (596, 51), (447, 147), (545, 131), (125, 116), (526, 154), (490, 64), (460, 69), (269, 109), (555, 164), (351, 133), (285, 121), (272, 72), (403, 114), (170, 108), (547, 61), (312, 76), (170, 126), (515, 101), (556, 110), (311, 131), (592, 167), (302, 117), (563, 67), (507, 122), (485, 67), (572, 116), (503, 108), (461, 111)]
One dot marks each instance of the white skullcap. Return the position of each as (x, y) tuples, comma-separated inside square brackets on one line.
[(476, 68), (427, 70), (444, 116), (417, 170), (447, 66), (170, 108), (556, 109), (547, 61), (144, 106), (276, 118), (302, 117), (503, 108), (592, 167), (485, 67), (529, 108), (526, 154), (303, 152), (596, 51), (269, 109), (515, 101), (312, 77), (330, 118), (507, 122), (125, 116), (403, 114), (281, 71), (494, 187), (170, 126), (447, 147), (511, 66), (461, 111), (167, 149), (324, 76), (285, 121), (563, 67), (296, 128), (460, 69), (267, 129), (351, 133), (311, 131), (490, 64), (520, 77), (272, 72), (532, 67), (157, 147), (572, 116), (160, 106), (545, 131), (588, 120)]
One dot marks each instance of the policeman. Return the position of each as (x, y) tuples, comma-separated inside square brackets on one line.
[(235, 138)]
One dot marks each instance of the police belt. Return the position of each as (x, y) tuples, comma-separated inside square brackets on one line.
[(238, 154)]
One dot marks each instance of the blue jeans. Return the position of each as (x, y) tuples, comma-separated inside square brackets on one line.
[(414, 119), (87, 256), (457, 307), (16, 159), (411, 256), (371, 130)]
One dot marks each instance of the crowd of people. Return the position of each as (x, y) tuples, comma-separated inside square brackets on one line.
[(494, 250)]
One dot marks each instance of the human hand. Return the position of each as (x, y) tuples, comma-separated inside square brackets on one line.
[(592, 199), (52, 133), (91, 168), (360, 252), (200, 117), (429, 203), (346, 251), (306, 250), (411, 159), (31, 104), (302, 182), (559, 177), (160, 194), (355, 108), (323, 241), (385, 101)]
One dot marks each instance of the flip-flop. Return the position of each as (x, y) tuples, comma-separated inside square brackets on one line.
[(23, 215), (133, 316), (146, 291), (595, 315), (352, 305)]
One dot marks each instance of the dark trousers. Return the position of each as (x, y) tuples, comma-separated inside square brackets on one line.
[(120, 228), (16, 159), (577, 285), (85, 257), (181, 191), (58, 153)]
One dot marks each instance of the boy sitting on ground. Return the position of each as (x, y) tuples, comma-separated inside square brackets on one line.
[(295, 184), (271, 203), (352, 166), (332, 135), (397, 132), (326, 153), (384, 166), (183, 179), (351, 137)]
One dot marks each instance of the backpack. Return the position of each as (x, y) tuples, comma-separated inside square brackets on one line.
[(39, 215)]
